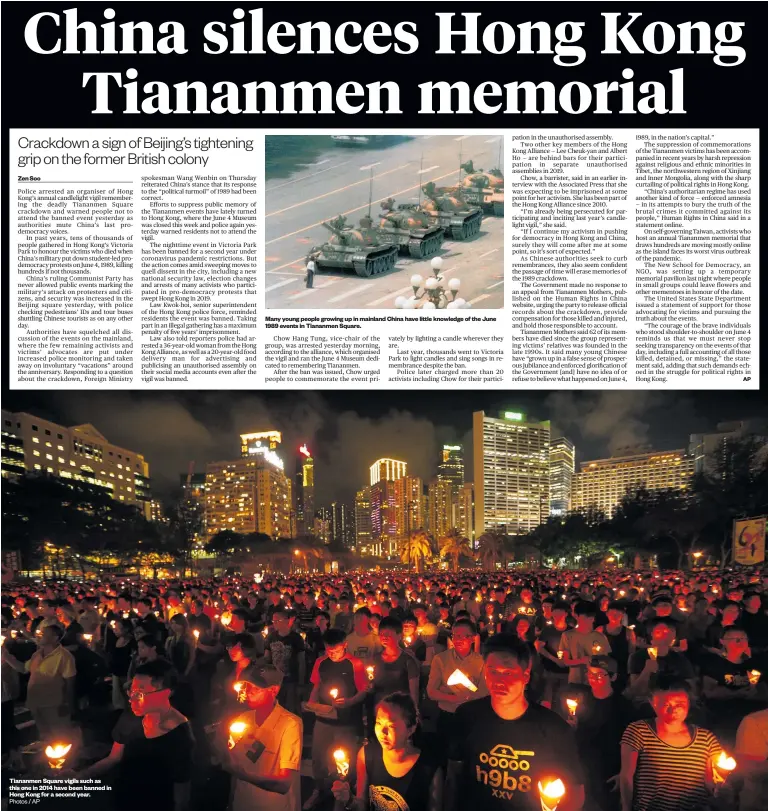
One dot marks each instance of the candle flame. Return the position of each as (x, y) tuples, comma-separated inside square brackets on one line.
[(572, 705), (727, 764), (238, 727), (369, 671), (458, 677), (553, 790), (237, 686), (334, 694), (339, 755), (58, 750), (197, 634)]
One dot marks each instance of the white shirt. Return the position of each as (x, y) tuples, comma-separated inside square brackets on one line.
[(262, 752)]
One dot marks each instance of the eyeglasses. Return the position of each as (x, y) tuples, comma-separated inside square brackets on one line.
[(140, 695)]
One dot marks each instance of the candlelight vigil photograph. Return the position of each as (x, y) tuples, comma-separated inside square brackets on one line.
[(385, 601)]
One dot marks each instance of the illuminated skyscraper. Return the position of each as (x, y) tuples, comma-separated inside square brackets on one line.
[(511, 461), (304, 492), (363, 521), (259, 442), (410, 503), (602, 483), (342, 525), (388, 470), (444, 491), (466, 524), (384, 518), (79, 453), (451, 467), (562, 460), (248, 495)]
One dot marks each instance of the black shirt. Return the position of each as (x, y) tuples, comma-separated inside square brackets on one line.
[(411, 792), (503, 761), (150, 767)]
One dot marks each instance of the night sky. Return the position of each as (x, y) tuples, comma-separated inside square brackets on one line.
[(348, 431)]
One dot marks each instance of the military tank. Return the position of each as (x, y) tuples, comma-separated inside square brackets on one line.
[(409, 227), (479, 188), (451, 211), (349, 248)]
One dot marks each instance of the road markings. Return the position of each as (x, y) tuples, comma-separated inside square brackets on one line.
[(357, 208), (318, 163), (493, 140), (282, 284), (427, 137), (428, 169), (392, 296), (304, 177), (370, 166), (487, 253), (288, 264), (360, 288), (462, 137), (479, 298), (495, 285), (311, 290)]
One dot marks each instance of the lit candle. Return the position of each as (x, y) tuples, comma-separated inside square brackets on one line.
[(596, 648), (112, 623), (559, 654), (342, 764), (237, 687), (408, 640), (334, 693), (236, 731), (226, 618), (572, 705), (458, 677), (196, 635), (2, 640), (88, 638), (653, 652), (753, 676), (265, 631), (729, 678), (57, 754), (722, 767), (550, 793), (370, 671)]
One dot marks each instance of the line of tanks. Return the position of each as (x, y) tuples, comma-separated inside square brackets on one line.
[(416, 230)]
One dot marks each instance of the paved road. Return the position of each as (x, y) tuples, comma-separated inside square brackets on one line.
[(338, 183)]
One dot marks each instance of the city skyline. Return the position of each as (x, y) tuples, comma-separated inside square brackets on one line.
[(348, 431)]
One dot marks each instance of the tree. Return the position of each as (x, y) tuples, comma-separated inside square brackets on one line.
[(491, 548), (453, 544), (416, 547)]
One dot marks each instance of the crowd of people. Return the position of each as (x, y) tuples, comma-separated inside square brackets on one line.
[(608, 690)]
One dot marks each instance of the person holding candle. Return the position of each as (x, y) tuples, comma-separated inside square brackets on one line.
[(392, 773), (728, 691), (266, 757), (581, 643), (152, 751), (502, 745), (394, 669), (666, 763), (459, 656), (555, 674), (285, 649), (362, 643), (648, 663), (339, 681)]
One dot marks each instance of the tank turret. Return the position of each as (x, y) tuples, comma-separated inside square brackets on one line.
[(354, 249), (452, 212), (409, 228), (482, 189)]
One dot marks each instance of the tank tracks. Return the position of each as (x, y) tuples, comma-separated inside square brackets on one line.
[(424, 247), (468, 228), (374, 265)]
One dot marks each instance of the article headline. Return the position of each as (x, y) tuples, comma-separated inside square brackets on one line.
[(247, 33)]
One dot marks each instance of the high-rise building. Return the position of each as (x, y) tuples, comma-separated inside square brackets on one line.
[(389, 470), (248, 495), (562, 464), (602, 483), (304, 492), (384, 535), (706, 449), (511, 462), (409, 501), (466, 524), (80, 453), (323, 524), (451, 467), (363, 521), (443, 499), (342, 525), (259, 442)]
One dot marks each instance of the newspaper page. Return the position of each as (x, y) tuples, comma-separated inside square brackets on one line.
[(324, 327)]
